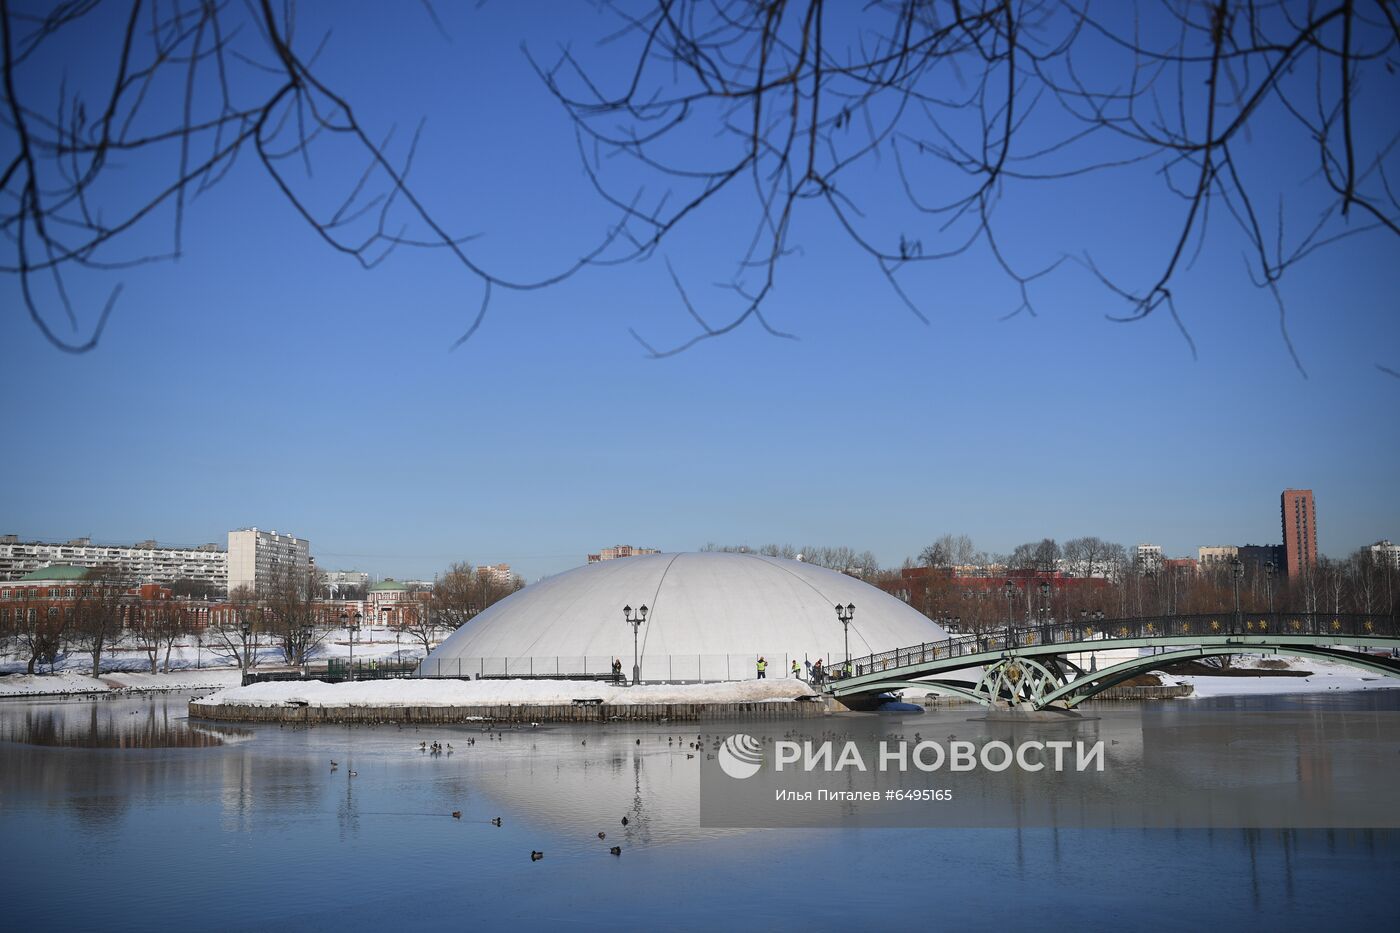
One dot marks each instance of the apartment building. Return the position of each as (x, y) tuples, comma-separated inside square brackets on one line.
[(144, 562)]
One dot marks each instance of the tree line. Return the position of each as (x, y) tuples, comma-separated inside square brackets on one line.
[(290, 619), (955, 582)]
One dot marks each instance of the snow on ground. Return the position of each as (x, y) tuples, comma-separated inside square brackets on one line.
[(377, 644), (503, 693), (1326, 676), (69, 682), (19, 685), (175, 680)]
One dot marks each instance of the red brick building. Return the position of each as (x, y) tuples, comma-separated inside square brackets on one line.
[(1299, 531)]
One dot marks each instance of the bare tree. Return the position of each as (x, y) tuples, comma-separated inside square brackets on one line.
[(237, 630), (194, 86), (289, 613), (159, 623), (949, 551), (97, 617), (773, 117), (969, 103), (1091, 556), (42, 631)]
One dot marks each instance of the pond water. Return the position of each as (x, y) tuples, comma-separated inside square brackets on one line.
[(121, 814)]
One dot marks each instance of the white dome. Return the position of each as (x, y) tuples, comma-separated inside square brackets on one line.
[(711, 614)]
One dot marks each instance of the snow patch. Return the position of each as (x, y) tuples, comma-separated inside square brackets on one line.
[(398, 693)]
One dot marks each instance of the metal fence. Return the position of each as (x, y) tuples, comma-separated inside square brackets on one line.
[(670, 668), (336, 670), (1315, 626)]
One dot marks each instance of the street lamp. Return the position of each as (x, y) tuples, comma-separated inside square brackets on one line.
[(1237, 573), (307, 632), (845, 614), (1010, 589), (353, 626), (1269, 570), (246, 628), (636, 621), (1045, 600)]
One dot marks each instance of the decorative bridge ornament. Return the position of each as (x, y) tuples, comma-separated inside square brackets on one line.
[(1032, 666)]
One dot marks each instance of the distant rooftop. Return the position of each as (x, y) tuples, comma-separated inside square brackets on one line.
[(56, 572)]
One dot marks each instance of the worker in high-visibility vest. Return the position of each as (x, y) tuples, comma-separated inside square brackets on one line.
[(762, 668), (796, 669)]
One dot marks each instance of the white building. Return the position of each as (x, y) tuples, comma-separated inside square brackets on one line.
[(711, 615), (619, 550), (1216, 555), (496, 574), (340, 581), (256, 558), (146, 562), (346, 577), (1384, 551), (1148, 557)]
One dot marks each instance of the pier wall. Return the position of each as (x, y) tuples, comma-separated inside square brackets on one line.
[(441, 715)]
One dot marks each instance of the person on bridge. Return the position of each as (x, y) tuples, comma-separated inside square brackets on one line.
[(762, 667), (796, 669), (818, 673)]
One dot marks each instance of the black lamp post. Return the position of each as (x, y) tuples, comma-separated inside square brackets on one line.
[(1045, 600), (1010, 595), (307, 632), (845, 614), (353, 626), (247, 629), (1237, 573), (635, 620), (1269, 570)]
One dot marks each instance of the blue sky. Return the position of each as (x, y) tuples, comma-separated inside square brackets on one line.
[(265, 380)]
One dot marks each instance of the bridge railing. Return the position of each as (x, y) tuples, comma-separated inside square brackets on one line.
[(1314, 624)]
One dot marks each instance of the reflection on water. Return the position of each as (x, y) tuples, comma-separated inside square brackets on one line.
[(107, 725), (269, 833)]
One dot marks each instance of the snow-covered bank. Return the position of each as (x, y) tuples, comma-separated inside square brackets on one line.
[(22, 685), (1325, 676), (399, 693)]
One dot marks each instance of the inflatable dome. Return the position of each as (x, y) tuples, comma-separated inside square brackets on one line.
[(710, 616)]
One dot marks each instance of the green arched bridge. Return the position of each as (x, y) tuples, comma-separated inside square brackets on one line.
[(1032, 667)]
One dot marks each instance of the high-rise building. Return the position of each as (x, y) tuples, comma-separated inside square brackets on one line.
[(257, 558), (1148, 558), (619, 550), (1257, 557), (147, 562), (1214, 555), (1386, 553), (496, 574), (1299, 531)]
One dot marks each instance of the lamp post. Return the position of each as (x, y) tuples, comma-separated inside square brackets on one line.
[(246, 628), (1045, 601), (1010, 595), (845, 614), (307, 632), (1237, 573), (635, 620), (1269, 570), (352, 626)]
